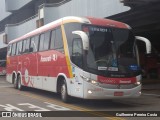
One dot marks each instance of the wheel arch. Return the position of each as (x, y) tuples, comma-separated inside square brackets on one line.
[(60, 79)]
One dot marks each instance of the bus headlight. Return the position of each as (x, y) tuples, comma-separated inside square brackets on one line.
[(139, 78), (138, 83), (89, 80), (89, 91), (93, 82)]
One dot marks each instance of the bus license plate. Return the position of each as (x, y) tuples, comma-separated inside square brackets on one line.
[(118, 93)]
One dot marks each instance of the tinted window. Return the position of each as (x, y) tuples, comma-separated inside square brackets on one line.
[(56, 40), (9, 50), (77, 52), (14, 49), (53, 37), (19, 48), (69, 28), (34, 44), (46, 41), (41, 42), (27, 46), (36, 40), (58, 44), (24, 46), (77, 47)]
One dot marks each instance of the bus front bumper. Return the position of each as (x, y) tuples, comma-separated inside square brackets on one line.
[(95, 92)]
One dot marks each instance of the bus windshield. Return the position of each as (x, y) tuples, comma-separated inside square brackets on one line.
[(111, 49)]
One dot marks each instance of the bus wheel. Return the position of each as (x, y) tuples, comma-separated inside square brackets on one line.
[(15, 82), (64, 93), (19, 86)]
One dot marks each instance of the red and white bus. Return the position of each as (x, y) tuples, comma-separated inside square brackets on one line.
[(88, 58)]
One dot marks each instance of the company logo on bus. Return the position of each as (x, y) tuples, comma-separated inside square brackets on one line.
[(49, 58), (125, 81), (116, 80), (108, 81)]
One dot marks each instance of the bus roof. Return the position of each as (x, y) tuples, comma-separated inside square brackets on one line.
[(107, 22), (69, 19)]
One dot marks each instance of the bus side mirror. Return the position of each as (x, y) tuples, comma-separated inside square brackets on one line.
[(85, 39), (147, 42)]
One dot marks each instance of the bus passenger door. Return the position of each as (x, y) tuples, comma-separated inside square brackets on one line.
[(77, 59)]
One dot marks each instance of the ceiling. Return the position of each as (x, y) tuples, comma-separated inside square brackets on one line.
[(143, 16)]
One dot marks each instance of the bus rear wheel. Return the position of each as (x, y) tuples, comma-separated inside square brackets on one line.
[(15, 82), (19, 85), (64, 94)]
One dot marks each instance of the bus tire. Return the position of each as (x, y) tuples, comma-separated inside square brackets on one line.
[(19, 84), (64, 94), (15, 83)]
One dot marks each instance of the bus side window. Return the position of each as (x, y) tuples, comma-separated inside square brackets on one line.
[(32, 46), (47, 40), (41, 42), (77, 56), (14, 49), (9, 49), (27, 45), (58, 44), (36, 41), (53, 37), (19, 48), (24, 46)]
